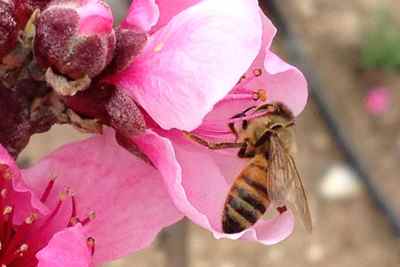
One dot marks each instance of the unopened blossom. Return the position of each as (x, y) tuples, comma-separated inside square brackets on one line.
[(75, 37), (8, 26), (80, 213)]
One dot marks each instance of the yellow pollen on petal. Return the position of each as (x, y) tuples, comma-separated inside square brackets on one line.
[(159, 47)]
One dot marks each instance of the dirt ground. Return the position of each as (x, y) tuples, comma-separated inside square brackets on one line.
[(349, 232)]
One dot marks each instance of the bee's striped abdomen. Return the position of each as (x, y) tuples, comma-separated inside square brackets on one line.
[(248, 198)]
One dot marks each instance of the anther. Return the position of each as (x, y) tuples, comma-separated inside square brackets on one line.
[(65, 194), (257, 72), (242, 79), (7, 210), (91, 244), (32, 218), (3, 193), (22, 249), (260, 94)]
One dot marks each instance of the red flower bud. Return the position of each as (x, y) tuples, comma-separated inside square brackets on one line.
[(8, 27), (75, 38)]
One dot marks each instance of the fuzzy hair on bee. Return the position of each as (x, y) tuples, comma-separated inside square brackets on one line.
[(265, 136)]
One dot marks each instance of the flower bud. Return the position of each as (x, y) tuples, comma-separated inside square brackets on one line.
[(75, 37), (8, 27), (128, 47), (25, 8)]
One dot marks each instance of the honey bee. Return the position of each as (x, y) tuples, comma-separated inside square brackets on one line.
[(270, 176)]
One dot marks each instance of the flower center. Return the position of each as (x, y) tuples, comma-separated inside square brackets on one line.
[(246, 92), (19, 242), (242, 90)]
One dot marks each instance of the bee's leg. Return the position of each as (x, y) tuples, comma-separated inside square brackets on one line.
[(233, 130), (210, 145), (264, 138), (243, 113), (243, 152)]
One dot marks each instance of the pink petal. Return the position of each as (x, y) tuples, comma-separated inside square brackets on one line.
[(194, 61), (67, 248), (285, 83), (281, 82), (199, 185), (142, 15), (126, 193), (171, 8), (95, 17)]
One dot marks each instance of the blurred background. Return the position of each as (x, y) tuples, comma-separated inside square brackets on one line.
[(354, 48)]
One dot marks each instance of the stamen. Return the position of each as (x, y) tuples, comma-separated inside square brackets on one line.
[(91, 216), (22, 249), (6, 220), (3, 193), (5, 171), (91, 243), (11, 249), (65, 194), (257, 72), (73, 219), (32, 218), (47, 191), (260, 94), (246, 79), (18, 243), (20, 252), (7, 210)]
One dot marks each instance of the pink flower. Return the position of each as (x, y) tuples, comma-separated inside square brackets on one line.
[(377, 101), (93, 211), (198, 179)]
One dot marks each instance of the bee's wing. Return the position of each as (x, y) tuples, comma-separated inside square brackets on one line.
[(285, 186)]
